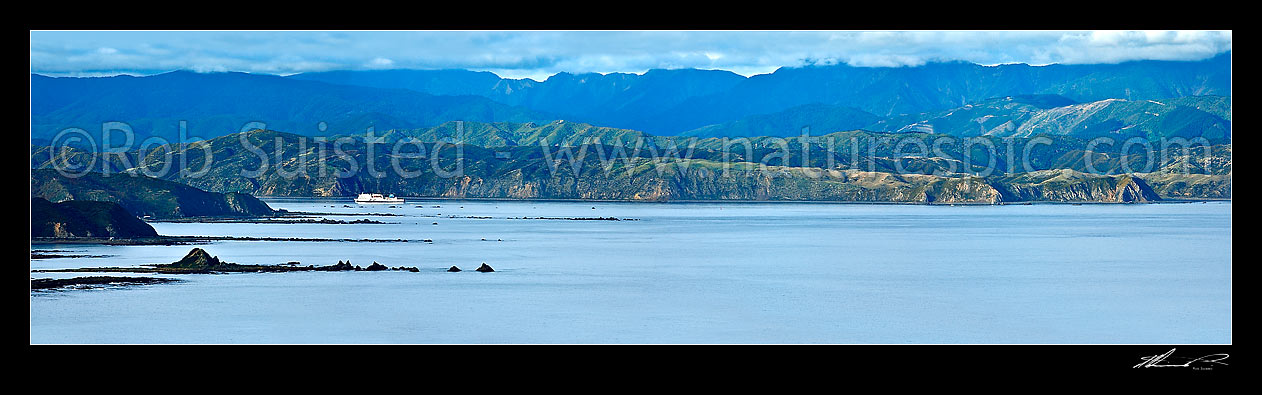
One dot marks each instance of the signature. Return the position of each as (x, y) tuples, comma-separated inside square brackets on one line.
[(1159, 361)]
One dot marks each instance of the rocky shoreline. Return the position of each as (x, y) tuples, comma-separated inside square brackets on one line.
[(1164, 200), (271, 221), (543, 218), (95, 282), (198, 261), (183, 240), (50, 254)]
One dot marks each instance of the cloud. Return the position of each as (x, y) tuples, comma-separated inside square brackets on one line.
[(538, 54), (380, 62)]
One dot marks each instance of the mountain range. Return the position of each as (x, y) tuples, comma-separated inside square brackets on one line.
[(662, 135), (668, 102), (216, 104), (659, 102)]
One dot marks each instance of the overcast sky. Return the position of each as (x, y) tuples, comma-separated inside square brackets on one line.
[(539, 54)]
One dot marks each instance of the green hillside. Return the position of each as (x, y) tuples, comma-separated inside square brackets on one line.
[(144, 196), (78, 218)]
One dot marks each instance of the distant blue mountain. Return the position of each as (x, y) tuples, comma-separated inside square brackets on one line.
[(434, 82), (669, 102), (817, 119), (886, 91), (215, 104), (660, 102), (602, 99)]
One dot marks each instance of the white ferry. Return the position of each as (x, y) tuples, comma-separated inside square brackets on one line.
[(377, 198)]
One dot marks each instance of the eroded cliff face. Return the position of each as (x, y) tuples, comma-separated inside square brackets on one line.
[(1190, 186), (1132, 189), (962, 190), (706, 184), (684, 182), (1072, 186)]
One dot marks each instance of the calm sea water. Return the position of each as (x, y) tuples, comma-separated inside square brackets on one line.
[(682, 273)]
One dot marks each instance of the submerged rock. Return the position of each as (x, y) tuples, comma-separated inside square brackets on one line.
[(484, 268)]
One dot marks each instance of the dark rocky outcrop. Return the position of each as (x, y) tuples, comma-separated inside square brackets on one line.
[(341, 266), (74, 219), (376, 267), (453, 269), (200, 261), (484, 268)]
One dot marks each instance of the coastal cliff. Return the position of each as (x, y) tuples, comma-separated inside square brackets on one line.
[(85, 219), (315, 169), (145, 196), (1072, 186)]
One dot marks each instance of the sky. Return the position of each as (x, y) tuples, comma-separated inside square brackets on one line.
[(539, 54)]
